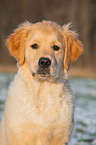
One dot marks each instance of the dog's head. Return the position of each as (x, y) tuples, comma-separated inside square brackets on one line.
[(46, 47)]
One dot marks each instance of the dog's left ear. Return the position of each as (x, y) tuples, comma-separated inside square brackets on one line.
[(73, 46), (16, 42)]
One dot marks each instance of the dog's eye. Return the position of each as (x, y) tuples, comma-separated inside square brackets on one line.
[(34, 46), (56, 48)]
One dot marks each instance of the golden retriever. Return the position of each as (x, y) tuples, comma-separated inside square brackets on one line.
[(39, 107)]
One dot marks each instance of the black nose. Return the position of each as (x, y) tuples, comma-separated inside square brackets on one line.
[(44, 62)]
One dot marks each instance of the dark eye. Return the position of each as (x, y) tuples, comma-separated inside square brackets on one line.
[(56, 48), (34, 46)]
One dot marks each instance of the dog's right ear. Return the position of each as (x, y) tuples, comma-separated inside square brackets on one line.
[(17, 42)]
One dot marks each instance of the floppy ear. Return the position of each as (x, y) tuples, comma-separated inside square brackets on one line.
[(73, 46), (16, 42)]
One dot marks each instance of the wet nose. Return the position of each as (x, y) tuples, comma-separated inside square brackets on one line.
[(44, 62)]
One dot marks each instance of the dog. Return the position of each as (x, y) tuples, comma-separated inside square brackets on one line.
[(39, 106)]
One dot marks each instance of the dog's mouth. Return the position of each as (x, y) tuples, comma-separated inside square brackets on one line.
[(41, 74), (44, 75)]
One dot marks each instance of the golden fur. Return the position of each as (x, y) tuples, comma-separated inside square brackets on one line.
[(39, 107)]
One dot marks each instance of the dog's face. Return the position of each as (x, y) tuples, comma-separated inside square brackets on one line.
[(46, 47), (44, 52)]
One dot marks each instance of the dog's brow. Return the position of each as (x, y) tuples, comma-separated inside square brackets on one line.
[(37, 35), (54, 39), (35, 38)]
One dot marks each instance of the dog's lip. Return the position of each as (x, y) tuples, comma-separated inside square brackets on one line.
[(43, 74)]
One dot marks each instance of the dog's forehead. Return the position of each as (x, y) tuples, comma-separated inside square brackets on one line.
[(46, 28)]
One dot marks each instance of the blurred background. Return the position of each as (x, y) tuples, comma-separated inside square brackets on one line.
[(82, 14)]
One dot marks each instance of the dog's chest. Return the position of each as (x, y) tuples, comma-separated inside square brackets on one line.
[(43, 117), (40, 102), (44, 102), (43, 110)]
